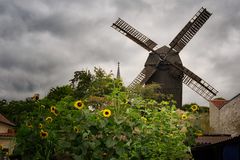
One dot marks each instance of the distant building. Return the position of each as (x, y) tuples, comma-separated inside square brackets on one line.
[(225, 116), (217, 147), (7, 134), (223, 142), (118, 71), (214, 114)]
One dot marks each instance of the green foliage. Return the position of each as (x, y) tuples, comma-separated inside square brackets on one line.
[(201, 109), (151, 91), (59, 92), (140, 129), (147, 92), (81, 83), (29, 142), (16, 110), (198, 121), (107, 122), (86, 84), (114, 126)]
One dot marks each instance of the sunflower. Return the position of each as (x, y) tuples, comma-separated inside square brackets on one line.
[(194, 107), (144, 119), (184, 117), (49, 119), (43, 134), (40, 126), (76, 129), (106, 113), (198, 133), (79, 104), (29, 125), (53, 110)]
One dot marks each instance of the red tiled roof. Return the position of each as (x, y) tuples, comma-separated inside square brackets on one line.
[(6, 121), (219, 103), (212, 139)]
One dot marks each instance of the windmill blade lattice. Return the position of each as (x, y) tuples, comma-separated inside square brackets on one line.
[(191, 28), (198, 85), (162, 63), (127, 30), (142, 77)]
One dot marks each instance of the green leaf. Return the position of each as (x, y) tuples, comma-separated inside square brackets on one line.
[(64, 144), (110, 142), (118, 120), (120, 150)]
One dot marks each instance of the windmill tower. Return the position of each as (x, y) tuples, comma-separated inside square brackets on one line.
[(164, 65)]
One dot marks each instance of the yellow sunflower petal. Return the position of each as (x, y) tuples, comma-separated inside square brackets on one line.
[(40, 126), (49, 119), (53, 108), (184, 117), (198, 133), (194, 107), (76, 129), (43, 134), (29, 126), (107, 113), (79, 104)]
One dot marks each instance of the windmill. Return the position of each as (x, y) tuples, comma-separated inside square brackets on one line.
[(164, 65)]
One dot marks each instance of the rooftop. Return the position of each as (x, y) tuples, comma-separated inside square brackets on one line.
[(11, 134), (219, 103), (6, 121), (212, 139)]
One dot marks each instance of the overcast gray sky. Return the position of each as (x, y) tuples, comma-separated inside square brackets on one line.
[(42, 42)]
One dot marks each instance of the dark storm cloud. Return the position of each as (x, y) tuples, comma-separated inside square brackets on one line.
[(25, 85), (129, 6), (43, 42), (223, 44), (17, 20)]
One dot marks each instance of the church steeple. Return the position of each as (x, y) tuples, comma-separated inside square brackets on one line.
[(118, 71)]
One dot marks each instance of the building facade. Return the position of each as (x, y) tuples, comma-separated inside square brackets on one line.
[(225, 116), (7, 135)]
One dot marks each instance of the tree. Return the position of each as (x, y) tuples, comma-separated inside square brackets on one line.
[(15, 111), (149, 91), (60, 92), (98, 84), (81, 83)]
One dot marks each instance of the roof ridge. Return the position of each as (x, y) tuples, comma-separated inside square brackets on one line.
[(219, 103), (3, 119)]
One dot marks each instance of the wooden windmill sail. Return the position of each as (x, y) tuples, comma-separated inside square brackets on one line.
[(164, 65)]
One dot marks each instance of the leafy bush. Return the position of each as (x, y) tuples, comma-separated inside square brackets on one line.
[(100, 119), (117, 129)]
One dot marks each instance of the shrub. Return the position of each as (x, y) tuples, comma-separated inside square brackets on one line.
[(116, 128)]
